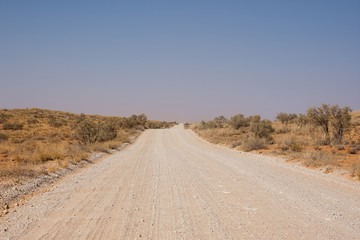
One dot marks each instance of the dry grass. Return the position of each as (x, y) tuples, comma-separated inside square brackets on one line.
[(307, 144), (37, 141), (355, 170)]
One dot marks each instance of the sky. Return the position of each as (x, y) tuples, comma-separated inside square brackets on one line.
[(182, 61)]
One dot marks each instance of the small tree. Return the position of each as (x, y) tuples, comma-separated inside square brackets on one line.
[(239, 121), (254, 118), (141, 119), (286, 118), (292, 116), (340, 122), (282, 117), (320, 117), (220, 121), (262, 129), (302, 120)]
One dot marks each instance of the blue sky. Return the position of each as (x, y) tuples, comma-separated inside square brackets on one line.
[(179, 60)]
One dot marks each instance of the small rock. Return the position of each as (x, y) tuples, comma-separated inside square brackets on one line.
[(5, 212), (5, 230), (7, 206)]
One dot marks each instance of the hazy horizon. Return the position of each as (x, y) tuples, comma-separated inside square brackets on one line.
[(179, 61)]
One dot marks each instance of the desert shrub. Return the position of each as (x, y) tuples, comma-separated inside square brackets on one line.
[(220, 121), (320, 116), (210, 124), (302, 120), (3, 137), (89, 132), (186, 125), (238, 121), (340, 122), (32, 121), (134, 121), (106, 131), (261, 129), (326, 116), (158, 125), (285, 118), (253, 118), (3, 117), (207, 125), (54, 122), (86, 131), (291, 144), (282, 130), (253, 143), (12, 126), (49, 152), (141, 119), (80, 118)]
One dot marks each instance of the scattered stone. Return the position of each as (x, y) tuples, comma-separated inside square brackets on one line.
[(5, 212)]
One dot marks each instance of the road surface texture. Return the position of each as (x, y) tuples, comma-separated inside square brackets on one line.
[(172, 185)]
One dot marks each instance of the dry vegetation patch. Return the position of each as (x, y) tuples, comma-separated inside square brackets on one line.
[(38, 141), (327, 137)]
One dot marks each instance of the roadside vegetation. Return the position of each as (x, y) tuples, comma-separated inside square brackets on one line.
[(37, 141), (325, 137)]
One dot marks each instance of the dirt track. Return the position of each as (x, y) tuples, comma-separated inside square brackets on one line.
[(172, 185)]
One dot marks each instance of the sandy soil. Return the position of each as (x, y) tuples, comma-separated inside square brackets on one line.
[(172, 185)]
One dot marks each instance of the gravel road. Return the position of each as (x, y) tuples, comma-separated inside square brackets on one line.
[(172, 185)]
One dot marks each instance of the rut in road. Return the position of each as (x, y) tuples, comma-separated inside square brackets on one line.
[(172, 185)]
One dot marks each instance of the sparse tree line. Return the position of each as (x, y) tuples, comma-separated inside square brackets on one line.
[(334, 122), (89, 131)]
